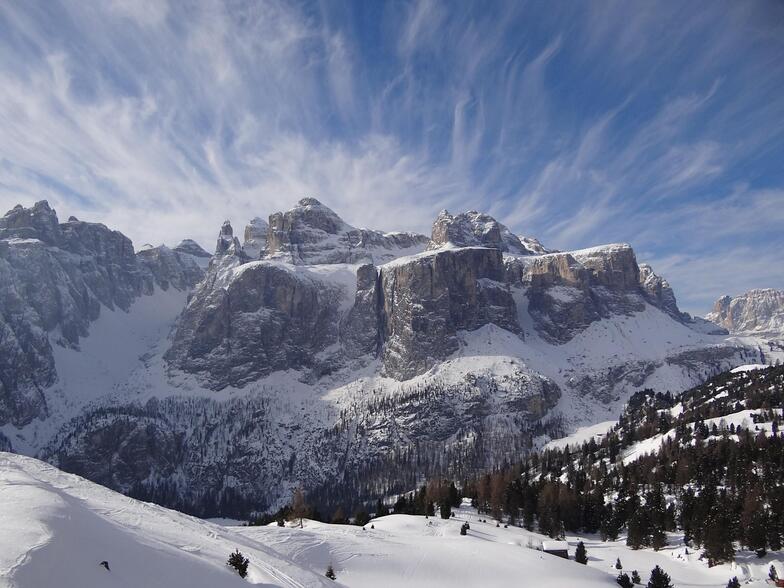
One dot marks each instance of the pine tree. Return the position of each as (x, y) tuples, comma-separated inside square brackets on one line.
[(381, 509), (581, 554), (330, 573), (624, 581), (445, 509), (361, 517), (658, 518), (239, 562), (618, 565), (733, 583), (718, 540), (659, 579), (754, 522), (638, 527), (636, 577)]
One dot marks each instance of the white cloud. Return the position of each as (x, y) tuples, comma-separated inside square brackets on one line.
[(162, 119)]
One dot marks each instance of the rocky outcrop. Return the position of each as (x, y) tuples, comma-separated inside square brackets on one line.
[(568, 291), (254, 243), (476, 229), (54, 280), (759, 312), (165, 268), (658, 291), (428, 298), (310, 233), (265, 316), (360, 330)]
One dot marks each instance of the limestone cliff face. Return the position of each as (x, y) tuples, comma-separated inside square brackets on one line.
[(429, 298), (755, 312), (255, 238), (54, 279), (266, 317), (569, 291), (658, 291)]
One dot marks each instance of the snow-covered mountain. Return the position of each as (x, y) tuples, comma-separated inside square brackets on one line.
[(757, 312), (352, 361)]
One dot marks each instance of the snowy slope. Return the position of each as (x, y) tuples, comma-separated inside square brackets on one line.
[(403, 551), (57, 528)]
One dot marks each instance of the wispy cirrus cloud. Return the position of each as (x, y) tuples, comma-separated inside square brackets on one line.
[(583, 124)]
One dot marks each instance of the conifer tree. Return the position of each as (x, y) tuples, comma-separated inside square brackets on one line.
[(581, 554), (445, 509), (659, 579), (636, 577), (239, 562), (618, 565), (624, 581), (330, 573), (733, 583)]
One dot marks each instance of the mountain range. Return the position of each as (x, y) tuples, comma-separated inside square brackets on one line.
[(353, 362)]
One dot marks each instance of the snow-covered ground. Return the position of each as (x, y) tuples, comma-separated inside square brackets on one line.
[(56, 529)]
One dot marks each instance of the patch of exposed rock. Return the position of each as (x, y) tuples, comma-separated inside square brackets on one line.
[(428, 298)]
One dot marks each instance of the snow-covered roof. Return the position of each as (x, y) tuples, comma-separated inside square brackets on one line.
[(551, 545)]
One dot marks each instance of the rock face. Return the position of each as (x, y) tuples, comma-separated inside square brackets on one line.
[(165, 268), (569, 291), (427, 299), (658, 291), (360, 330), (255, 238), (475, 229), (54, 279), (311, 233), (755, 312), (267, 317), (247, 320)]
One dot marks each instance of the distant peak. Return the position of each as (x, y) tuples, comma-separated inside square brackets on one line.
[(191, 247), (309, 202)]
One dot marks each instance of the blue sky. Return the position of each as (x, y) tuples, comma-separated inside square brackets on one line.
[(656, 123)]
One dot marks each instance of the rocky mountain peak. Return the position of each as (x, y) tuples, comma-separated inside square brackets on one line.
[(312, 233), (191, 247), (759, 311), (37, 222), (472, 229), (227, 243), (255, 238)]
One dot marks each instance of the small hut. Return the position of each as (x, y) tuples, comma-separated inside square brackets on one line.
[(559, 548)]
